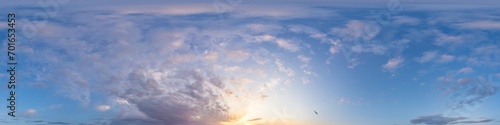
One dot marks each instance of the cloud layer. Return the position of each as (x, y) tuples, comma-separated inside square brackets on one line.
[(439, 119), (157, 65)]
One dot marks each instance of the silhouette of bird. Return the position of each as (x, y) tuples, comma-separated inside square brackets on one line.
[(316, 112)]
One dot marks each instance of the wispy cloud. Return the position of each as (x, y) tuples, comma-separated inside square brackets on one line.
[(103, 107), (406, 20), (439, 119), (393, 63), (199, 63), (466, 70), (435, 56), (481, 25), (283, 43)]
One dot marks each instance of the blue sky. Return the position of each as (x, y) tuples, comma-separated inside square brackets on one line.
[(240, 62)]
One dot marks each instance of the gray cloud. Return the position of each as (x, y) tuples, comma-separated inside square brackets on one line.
[(435, 120), (477, 121), (439, 119)]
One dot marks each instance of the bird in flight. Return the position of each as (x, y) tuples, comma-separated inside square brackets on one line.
[(316, 112)]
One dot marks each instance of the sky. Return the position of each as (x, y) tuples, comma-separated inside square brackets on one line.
[(242, 62)]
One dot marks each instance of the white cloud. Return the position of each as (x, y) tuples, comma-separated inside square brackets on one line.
[(103, 107), (289, 72), (187, 69), (168, 9), (444, 39), (466, 70), (287, 45), (121, 101), (259, 28), (427, 56), (304, 58), (236, 55), (55, 106), (464, 92), (312, 32), (334, 49), (369, 48), (343, 100), (480, 24), (283, 43), (262, 38), (393, 63), (435, 56), (356, 29), (281, 12), (485, 50), (445, 78), (446, 58), (484, 55), (29, 112), (210, 56), (228, 10)]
